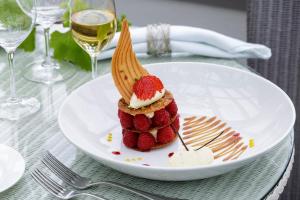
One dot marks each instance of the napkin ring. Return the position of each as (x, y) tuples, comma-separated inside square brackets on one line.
[(158, 39)]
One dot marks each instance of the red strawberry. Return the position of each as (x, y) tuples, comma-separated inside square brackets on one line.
[(176, 124), (161, 117), (146, 87), (165, 135), (126, 119), (130, 138), (172, 108), (141, 122), (145, 142)]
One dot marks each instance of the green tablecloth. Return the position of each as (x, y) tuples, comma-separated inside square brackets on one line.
[(40, 132)]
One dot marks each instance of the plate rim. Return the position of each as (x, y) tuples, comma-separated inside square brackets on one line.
[(18, 178), (176, 169)]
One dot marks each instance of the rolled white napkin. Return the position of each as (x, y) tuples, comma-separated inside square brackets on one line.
[(196, 41)]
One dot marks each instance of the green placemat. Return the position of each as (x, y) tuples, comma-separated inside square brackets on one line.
[(40, 132)]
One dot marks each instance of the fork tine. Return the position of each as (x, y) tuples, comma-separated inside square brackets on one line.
[(60, 165), (49, 180), (45, 185), (54, 159), (57, 171)]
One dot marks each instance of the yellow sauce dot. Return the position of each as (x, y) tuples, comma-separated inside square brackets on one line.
[(251, 143), (109, 137), (139, 158), (127, 160)]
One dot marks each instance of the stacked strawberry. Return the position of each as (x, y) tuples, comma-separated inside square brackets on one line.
[(146, 87), (144, 133)]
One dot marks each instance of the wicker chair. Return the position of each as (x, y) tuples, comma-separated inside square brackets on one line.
[(276, 23)]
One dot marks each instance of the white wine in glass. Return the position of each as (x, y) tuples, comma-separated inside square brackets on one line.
[(17, 19), (93, 27)]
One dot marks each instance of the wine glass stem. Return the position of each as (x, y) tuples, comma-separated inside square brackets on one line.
[(94, 66), (47, 61), (13, 94)]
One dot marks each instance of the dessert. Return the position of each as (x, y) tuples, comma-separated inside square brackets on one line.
[(147, 110)]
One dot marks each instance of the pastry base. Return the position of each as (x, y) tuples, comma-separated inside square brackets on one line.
[(160, 104)]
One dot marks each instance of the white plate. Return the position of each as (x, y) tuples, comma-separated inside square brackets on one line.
[(12, 167), (250, 104)]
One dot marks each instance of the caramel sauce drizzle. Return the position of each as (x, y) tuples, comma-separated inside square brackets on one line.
[(225, 142)]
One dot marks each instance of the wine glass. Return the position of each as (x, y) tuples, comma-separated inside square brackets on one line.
[(15, 26), (93, 26), (48, 70)]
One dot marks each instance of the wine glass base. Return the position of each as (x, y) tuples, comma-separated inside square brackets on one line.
[(58, 72), (20, 108)]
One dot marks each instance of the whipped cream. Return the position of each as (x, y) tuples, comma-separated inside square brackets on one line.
[(135, 102), (150, 115), (154, 133), (183, 158)]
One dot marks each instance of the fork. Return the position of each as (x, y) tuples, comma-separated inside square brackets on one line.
[(75, 180), (56, 189)]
